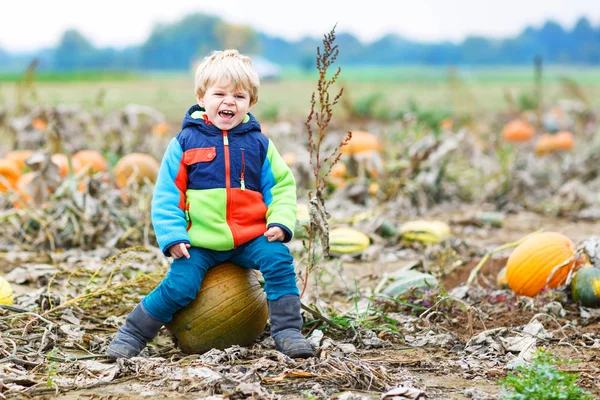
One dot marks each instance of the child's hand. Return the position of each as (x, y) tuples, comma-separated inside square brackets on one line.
[(179, 250), (275, 233)]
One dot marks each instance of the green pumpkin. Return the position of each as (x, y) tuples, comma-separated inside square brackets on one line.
[(230, 309), (585, 287), (408, 280)]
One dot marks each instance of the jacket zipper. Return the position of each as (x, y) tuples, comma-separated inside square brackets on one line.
[(228, 185), (188, 217), (242, 184)]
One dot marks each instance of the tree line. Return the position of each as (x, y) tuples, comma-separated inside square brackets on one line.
[(178, 45)]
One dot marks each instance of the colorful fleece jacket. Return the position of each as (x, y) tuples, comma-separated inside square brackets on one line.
[(220, 189)]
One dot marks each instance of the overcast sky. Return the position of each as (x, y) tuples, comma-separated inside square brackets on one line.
[(32, 24)]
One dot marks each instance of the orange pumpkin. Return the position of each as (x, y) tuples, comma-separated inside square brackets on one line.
[(362, 141), (161, 129), (548, 143), (39, 124), (91, 159), (63, 164), (545, 144), (24, 193), (9, 174), (564, 140), (139, 165), (338, 170), (518, 131), (532, 262), (19, 156)]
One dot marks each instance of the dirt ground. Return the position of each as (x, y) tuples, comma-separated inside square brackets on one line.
[(449, 353)]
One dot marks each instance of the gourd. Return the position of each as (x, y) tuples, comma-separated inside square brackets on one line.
[(424, 231), (230, 309), (518, 131), (6, 292), (538, 262), (137, 165), (585, 287), (408, 280), (347, 241)]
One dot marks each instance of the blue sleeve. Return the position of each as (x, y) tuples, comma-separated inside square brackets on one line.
[(168, 200)]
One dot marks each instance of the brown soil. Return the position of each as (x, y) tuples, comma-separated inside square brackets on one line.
[(433, 369)]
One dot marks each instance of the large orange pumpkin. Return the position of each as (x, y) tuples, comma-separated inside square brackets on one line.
[(518, 131), (19, 156), (91, 158), (533, 261), (230, 309), (9, 174), (138, 166)]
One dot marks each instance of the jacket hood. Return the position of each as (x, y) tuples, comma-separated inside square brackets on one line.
[(195, 117)]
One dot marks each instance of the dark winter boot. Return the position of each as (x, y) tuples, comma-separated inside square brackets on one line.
[(286, 322), (139, 328)]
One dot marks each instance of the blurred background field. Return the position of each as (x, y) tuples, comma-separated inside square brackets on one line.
[(389, 90)]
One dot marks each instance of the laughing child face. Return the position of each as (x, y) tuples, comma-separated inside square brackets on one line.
[(226, 105)]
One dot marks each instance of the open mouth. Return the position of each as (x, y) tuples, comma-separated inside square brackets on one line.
[(226, 114)]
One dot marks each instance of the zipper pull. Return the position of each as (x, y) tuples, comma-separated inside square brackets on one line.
[(225, 138), (242, 185)]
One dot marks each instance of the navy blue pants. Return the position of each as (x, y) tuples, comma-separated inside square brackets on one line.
[(182, 283)]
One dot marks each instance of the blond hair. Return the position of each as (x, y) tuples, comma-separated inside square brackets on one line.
[(227, 65)]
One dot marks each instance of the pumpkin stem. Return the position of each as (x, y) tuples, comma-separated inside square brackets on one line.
[(505, 246)]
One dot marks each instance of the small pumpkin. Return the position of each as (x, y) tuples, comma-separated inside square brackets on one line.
[(20, 157), (39, 124), (362, 141), (230, 309), (62, 162), (544, 145), (139, 166), (564, 140), (548, 143), (518, 131), (530, 265), (90, 159), (25, 195), (585, 287), (161, 129), (9, 174)]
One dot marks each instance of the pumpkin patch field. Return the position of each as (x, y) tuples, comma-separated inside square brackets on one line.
[(440, 249)]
